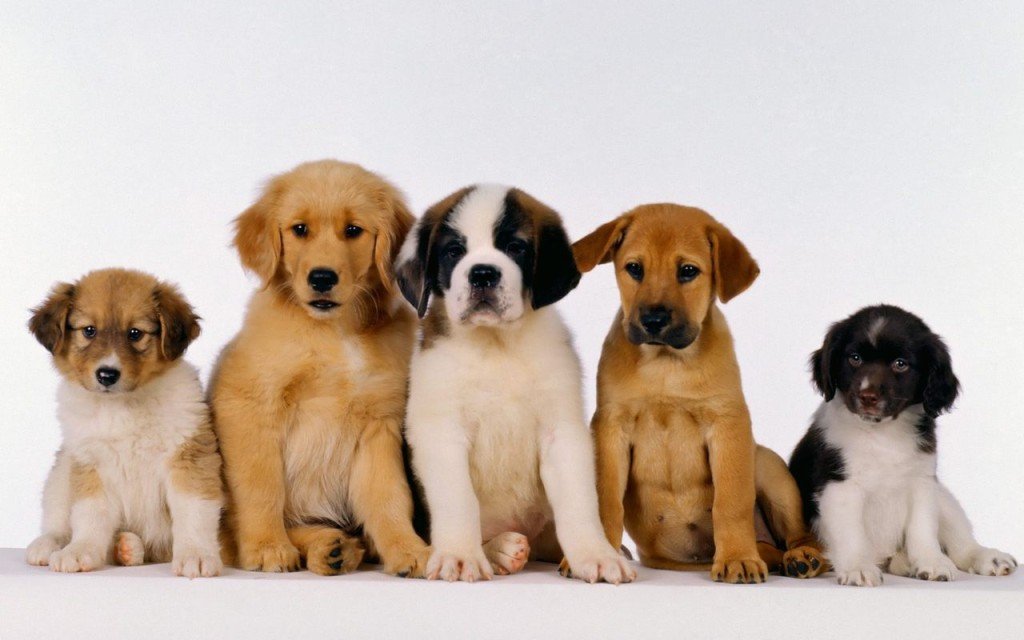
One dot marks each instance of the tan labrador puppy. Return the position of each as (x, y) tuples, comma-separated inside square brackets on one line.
[(309, 397), (677, 463)]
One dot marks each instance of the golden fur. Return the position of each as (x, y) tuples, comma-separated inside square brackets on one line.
[(677, 463), (308, 403)]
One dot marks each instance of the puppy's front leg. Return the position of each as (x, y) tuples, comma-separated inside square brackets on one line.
[(56, 513), (382, 500), (612, 450), (567, 471), (441, 461), (195, 498), (93, 523), (254, 470), (922, 538), (841, 525), (731, 456)]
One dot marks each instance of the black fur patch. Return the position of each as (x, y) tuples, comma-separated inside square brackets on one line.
[(926, 440), (814, 464)]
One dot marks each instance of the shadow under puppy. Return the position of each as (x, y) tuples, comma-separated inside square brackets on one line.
[(867, 465), (677, 465), (309, 397), (137, 477), (495, 415)]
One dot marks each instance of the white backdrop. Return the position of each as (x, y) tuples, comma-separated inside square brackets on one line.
[(864, 154)]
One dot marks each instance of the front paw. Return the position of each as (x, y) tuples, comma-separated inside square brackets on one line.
[(863, 576), (195, 563), (938, 569), (74, 558), (39, 552), (272, 557), (990, 562), (597, 565), (469, 565), (750, 569), (408, 561)]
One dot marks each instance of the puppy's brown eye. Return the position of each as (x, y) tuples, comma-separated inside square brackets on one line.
[(352, 231), (454, 251), (89, 332), (899, 365), (134, 335), (855, 359), (300, 230), (516, 248), (688, 272), (635, 270)]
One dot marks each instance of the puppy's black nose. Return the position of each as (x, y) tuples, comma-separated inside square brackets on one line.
[(654, 319), (484, 276), (322, 280), (107, 376)]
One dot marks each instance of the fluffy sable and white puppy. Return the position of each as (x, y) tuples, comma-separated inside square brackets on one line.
[(495, 415), (137, 477), (867, 466)]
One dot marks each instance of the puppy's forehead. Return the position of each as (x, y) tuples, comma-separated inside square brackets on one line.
[(114, 296), (669, 230), (477, 215)]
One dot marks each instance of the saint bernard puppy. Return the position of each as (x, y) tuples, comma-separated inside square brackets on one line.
[(495, 416)]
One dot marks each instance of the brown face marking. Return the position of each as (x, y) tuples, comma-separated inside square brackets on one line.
[(120, 320)]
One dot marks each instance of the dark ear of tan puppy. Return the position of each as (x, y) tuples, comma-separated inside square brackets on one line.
[(179, 325), (734, 269), (597, 247), (390, 237), (49, 320), (258, 237)]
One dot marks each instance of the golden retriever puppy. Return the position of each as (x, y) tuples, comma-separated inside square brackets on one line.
[(309, 397), (677, 464), (137, 477)]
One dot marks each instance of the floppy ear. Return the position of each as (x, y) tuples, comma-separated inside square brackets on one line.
[(179, 325), (734, 269), (49, 320), (258, 236), (597, 247), (390, 237), (554, 268), (941, 386), (826, 360), (416, 270)]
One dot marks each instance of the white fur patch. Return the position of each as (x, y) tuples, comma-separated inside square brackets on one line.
[(130, 439), (875, 329), (890, 509), (475, 217)]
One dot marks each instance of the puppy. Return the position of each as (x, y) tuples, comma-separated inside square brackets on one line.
[(676, 461), (137, 477), (495, 417), (309, 397), (866, 467)]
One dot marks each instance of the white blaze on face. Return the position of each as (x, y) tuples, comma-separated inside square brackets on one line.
[(476, 218)]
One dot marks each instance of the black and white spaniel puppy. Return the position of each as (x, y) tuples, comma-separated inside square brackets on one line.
[(495, 416), (866, 468)]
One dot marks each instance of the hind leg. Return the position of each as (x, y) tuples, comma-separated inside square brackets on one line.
[(779, 500), (507, 552), (129, 550), (326, 550)]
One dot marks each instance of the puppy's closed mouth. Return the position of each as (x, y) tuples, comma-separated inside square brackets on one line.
[(323, 305)]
